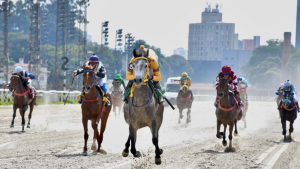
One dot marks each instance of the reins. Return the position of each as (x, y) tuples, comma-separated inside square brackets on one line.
[(94, 79), (15, 88)]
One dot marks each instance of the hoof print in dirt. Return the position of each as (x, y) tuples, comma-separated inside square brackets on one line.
[(229, 150)]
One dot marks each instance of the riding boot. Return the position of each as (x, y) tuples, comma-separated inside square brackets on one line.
[(127, 92), (159, 92), (80, 99), (215, 103), (240, 101), (108, 102), (279, 105), (298, 106)]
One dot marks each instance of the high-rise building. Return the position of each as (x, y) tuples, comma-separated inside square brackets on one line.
[(256, 41), (236, 59), (181, 52), (298, 26), (208, 38), (248, 44)]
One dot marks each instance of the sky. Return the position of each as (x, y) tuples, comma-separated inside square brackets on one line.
[(165, 23)]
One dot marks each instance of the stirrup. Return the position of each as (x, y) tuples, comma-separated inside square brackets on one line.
[(107, 103), (80, 100)]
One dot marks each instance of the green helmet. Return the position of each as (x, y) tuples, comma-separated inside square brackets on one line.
[(118, 76)]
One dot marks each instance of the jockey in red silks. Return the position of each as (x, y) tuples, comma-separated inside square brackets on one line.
[(225, 73)]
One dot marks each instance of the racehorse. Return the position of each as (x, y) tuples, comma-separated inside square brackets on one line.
[(116, 95), (184, 101), (243, 95), (228, 112), (288, 112), (142, 109), (21, 100), (93, 108)]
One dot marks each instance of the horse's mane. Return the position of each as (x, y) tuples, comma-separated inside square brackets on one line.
[(89, 67)]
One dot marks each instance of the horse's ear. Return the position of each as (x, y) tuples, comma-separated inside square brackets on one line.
[(147, 53), (134, 53)]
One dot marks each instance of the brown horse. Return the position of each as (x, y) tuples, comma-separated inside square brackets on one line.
[(21, 100), (116, 95), (184, 101), (227, 113), (93, 109)]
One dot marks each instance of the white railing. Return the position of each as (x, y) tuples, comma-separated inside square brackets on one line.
[(46, 96)]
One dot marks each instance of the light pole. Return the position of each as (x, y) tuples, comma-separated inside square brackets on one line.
[(129, 39), (118, 40), (104, 33)]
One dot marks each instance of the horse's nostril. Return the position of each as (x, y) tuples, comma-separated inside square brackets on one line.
[(83, 87), (140, 80), (89, 88)]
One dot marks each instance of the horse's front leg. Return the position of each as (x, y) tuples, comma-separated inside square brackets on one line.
[(224, 135), (291, 129), (218, 129), (230, 148), (235, 129), (86, 135), (22, 113), (283, 123), (158, 151), (96, 134), (102, 128), (188, 114), (132, 135), (180, 115), (14, 115), (126, 150), (30, 112)]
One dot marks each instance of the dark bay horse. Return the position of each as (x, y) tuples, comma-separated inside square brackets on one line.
[(227, 113), (21, 100), (142, 110), (93, 109), (288, 112), (116, 96), (184, 101)]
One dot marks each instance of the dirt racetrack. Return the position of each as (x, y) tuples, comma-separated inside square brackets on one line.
[(55, 140)]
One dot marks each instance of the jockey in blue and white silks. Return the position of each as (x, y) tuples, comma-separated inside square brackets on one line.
[(288, 88), (26, 78), (100, 76), (242, 80)]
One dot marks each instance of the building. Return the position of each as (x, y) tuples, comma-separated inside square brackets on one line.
[(89, 38), (256, 41), (248, 44), (208, 38), (298, 26), (236, 59), (43, 75), (181, 52)]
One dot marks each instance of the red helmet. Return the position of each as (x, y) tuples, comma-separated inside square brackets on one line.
[(226, 69)]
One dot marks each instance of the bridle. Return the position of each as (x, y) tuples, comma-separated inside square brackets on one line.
[(94, 79), (17, 85)]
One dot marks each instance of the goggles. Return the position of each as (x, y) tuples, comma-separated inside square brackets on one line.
[(226, 74)]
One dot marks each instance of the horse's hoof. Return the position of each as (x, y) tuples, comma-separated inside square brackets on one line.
[(28, 126), (137, 154), (94, 147), (23, 131), (12, 126), (84, 154), (235, 134), (125, 154), (218, 136), (157, 161), (224, 143)]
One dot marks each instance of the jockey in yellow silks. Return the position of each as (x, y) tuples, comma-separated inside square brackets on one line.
[(153, 65), (185, 80)]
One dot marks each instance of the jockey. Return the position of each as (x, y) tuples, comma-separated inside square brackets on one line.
[(100, 76), (185, 79), (25, 76), (225, 73), (240, 81), (119, 79), (153, 64), (288, 88)]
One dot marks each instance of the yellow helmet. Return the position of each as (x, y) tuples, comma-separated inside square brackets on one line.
[(184, 74)]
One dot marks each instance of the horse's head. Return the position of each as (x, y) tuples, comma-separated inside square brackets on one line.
[(222, 87), (116, 85), (185, 87), (286, 101), (88, 78), (140, 66), (15, 81)]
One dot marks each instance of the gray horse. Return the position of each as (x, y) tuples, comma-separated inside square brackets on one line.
[(243, 95), (227, 113), (142, 110)]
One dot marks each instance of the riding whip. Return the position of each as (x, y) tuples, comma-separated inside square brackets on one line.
[(69, 91)]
